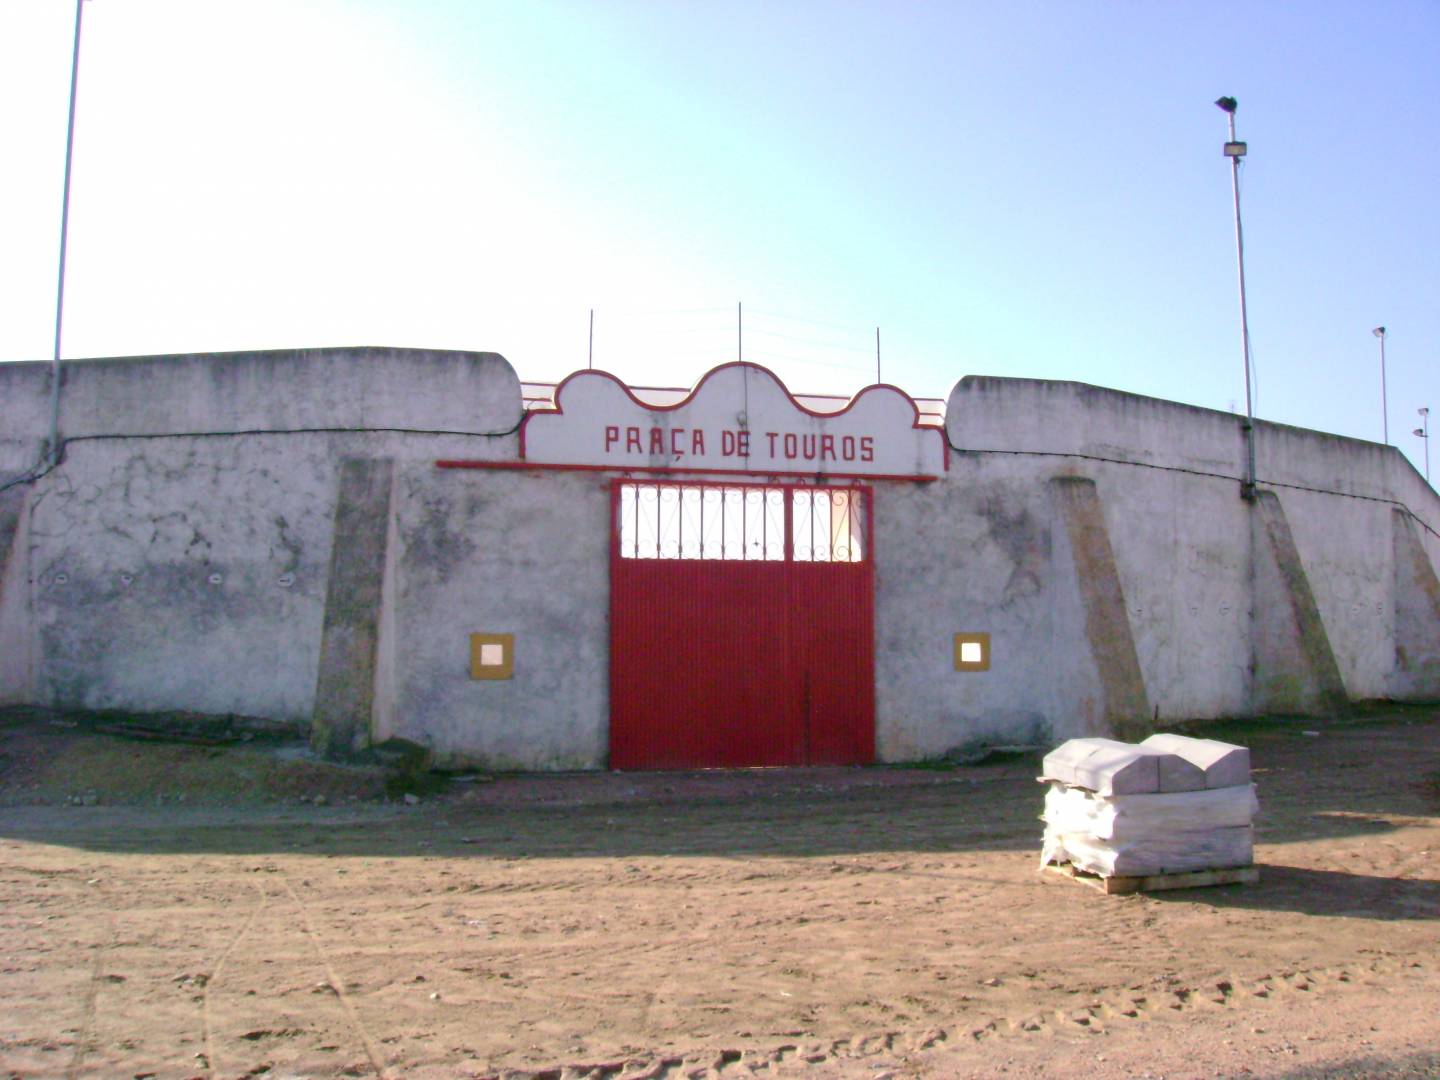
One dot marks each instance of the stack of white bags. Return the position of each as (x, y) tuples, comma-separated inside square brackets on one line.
[(1168, 805)]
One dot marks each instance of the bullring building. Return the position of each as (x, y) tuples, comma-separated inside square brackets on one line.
[(370, 543)]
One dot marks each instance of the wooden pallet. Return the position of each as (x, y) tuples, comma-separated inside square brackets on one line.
[(1119, 886)]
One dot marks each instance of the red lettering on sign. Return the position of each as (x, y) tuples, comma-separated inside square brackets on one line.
[(680, 442)]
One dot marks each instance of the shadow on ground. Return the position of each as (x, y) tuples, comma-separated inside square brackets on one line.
[(1334, 782), (1423, 1065), (1331, 893)]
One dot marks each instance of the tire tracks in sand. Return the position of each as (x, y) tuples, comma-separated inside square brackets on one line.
[(1167, 1000), (212, 974), (323, 953)]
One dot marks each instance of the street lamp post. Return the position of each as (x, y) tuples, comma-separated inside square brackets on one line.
[(1424, 432), (1235, 150), (1379, 332), (64, 237)]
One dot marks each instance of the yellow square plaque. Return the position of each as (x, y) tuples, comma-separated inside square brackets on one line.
[(972, 652), (492, 656)]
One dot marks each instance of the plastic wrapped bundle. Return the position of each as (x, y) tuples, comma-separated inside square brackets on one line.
[(1173, 805), (1116, 768), (1146, 835), (1221, 764)]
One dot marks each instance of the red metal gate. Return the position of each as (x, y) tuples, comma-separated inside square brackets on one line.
[(741, 626)]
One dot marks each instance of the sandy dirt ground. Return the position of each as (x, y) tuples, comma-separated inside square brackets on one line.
[(877, 923)]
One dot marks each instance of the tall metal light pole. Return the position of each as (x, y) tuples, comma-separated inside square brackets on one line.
[(64, 237), (1235, 150), (1379, 332), (1424, 432)]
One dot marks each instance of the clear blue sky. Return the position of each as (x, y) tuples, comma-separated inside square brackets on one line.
[(1010, 189)]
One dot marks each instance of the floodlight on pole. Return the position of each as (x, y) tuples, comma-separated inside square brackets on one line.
[(1235, 150), (1424, 433), (1379, 332)]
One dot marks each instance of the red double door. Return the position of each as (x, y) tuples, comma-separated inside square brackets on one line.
[(741, 626)]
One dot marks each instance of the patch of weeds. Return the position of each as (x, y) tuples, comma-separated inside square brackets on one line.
[(407, 766), (934, 764), (1429, 788), (1360, 714), (398, 785), (1008, 755)]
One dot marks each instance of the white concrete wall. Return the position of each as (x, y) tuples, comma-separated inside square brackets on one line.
[(1169, 476), (178, 559), (970, 552), (502, 551), (975, 552), (170, 564)]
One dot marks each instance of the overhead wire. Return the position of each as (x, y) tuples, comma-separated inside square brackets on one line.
[(812, 341), (32, 475)]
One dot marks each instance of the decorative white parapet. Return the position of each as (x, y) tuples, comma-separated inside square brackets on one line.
[(740, 418)]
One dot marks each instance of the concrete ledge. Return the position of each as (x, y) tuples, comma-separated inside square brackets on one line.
[(360, 387), (1037, 416)]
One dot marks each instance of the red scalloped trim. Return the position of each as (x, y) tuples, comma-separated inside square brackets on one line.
[(475, 463), (559, 409)]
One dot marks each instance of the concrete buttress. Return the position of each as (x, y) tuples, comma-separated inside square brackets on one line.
[(350, 652), (14, 599), (1124, 708), (1295, 667), (1417, 614)]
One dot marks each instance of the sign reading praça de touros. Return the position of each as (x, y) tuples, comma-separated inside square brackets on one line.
[(739, 418)]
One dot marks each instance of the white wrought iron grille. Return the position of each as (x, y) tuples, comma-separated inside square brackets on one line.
[(695, 521), (825, 525)]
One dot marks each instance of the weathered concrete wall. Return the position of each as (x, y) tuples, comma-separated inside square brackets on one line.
[(194, 551), (986, 549), (1184, 542), (188, 576), (507, 551), (970, 552), (175, 564), (25, 401)]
